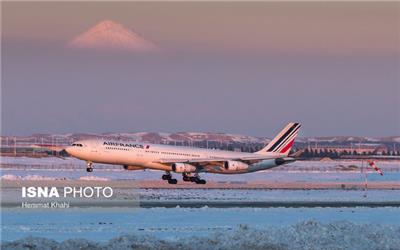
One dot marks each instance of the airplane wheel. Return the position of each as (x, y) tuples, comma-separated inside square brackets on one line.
[(201, 181), (193, 179), (186, 178), (89, 170), (172, 181), (166, 177)]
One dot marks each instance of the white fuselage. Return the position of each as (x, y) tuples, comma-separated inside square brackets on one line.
[(135, 155)]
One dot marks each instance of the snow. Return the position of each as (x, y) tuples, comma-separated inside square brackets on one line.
[(93, 178), (264, 195), (205, 227), (11, 177), (39, 161), (302, 171), (370, 139), (308, 234), (111, 35)]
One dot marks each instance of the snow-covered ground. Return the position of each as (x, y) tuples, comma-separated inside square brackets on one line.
[(168, 223), (202, 228), (206, 227), (70, 168), (227, 195), (304, 235)]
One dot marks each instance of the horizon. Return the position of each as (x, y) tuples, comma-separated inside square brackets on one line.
[(201, 132)]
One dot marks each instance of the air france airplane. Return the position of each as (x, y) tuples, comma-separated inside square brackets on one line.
[(185, 160)]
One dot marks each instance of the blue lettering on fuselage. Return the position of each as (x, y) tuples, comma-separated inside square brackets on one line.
[(121, 144)]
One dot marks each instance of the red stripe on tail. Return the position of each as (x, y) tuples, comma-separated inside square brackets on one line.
[(287, 147)]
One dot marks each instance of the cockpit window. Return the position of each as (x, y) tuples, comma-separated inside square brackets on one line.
[(77, 145)]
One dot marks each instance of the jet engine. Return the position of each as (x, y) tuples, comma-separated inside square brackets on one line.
[(235, 165), (183, 168)]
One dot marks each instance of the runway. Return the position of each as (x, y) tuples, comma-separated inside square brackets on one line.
[(159, 184)]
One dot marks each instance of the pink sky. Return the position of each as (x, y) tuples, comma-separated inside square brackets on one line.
[(245, 68), (313, 27)]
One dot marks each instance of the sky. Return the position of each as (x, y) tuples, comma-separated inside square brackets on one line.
[(233, 67)]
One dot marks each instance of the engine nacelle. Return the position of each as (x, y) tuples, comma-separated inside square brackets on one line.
[(133, 167), (235, 165), (183, 168)]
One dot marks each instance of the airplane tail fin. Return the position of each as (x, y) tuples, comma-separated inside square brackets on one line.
[(284, 141)]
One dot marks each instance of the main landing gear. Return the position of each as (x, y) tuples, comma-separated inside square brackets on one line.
[(89, 167), (196, 179), (168, 177)]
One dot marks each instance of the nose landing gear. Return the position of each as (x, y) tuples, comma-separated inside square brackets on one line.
[(89, 167), (168, 177)]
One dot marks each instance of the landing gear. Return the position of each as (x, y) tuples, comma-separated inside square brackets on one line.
[(168, 177), (185, 177), (89, 167), (196, 178), (172, 181), (200, 181)]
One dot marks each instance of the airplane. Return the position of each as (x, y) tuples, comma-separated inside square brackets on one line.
[(188, 161)]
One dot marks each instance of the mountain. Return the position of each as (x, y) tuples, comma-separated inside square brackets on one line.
[(155, 137), (188, 138), (348, 139), (109, 35)]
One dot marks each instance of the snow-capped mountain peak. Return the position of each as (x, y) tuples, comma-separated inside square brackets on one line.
[(109, 35)]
